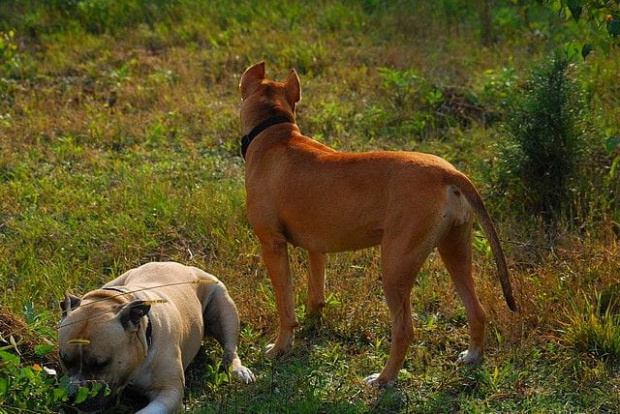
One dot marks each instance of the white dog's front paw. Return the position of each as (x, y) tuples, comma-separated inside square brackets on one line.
[(244, 375), (470, 357), (372, 380)]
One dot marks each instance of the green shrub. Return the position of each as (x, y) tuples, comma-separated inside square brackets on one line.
[(29, 381), (426, 109), (594, 327), (540, 162), (9, 59), (28, 386)]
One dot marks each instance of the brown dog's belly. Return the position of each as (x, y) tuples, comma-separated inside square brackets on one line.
[(332, 221), (334, 242)]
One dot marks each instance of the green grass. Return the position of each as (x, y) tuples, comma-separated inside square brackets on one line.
[(119, 145)]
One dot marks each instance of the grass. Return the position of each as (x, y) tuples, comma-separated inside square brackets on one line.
[(119, 145)]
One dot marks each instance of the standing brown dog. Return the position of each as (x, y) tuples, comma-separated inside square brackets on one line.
[(304, 193)]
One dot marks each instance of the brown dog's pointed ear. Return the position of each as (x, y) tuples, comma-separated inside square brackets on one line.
[(71, 302), (293, 88), (251, 79), (131, 314)]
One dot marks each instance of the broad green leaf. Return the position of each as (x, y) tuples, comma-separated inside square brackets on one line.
[(60, 394), (81, 395), (10, 359), (95, 389), (42, 350), (613, 28), (4, 386), (611, 143), (556, 5), (575, 7)]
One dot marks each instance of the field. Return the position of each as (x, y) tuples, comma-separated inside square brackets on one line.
[(119, 145)]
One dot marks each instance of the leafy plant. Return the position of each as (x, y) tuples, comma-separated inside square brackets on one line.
[(31, 386), (599, 21), (28, 387), (541, 161), (594, 327), (9, 58), (423, 108), (216, 376), (402, 85)]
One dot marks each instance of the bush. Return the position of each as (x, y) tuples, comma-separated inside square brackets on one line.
[(28, 387), (29, 381), (9, 59), (594, 327), (426, 109), (539, 164)]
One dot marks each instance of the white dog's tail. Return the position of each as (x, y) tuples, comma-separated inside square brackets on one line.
[(461, 181)]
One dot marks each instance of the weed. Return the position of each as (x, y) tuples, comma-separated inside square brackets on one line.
[(9, 58), (543, 163), (594, 327), (27, 387), (33, 387)]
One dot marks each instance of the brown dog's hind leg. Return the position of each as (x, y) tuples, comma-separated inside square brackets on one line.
[(456, 252), (275, 256), (316, 285), (399, 274)]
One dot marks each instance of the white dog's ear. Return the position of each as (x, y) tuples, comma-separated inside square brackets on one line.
[(293, 88), (69, 303), (251, 79), (131, 314)]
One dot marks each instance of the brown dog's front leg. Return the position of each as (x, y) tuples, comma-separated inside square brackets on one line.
[(275, 255), (316, 284)]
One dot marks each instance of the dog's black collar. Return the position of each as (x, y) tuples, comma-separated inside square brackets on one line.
[(149, 332), (149, 325), (275, 120)]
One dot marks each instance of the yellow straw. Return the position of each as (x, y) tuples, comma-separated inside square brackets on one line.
[(78, 342)]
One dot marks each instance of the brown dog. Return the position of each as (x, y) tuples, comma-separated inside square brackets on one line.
[(304, 193)]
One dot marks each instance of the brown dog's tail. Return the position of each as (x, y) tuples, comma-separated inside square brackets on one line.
[(474, 199)]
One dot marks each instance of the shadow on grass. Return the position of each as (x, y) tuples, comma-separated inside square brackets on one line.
[(304, 381)]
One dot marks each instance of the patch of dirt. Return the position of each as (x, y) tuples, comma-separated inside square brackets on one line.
[(13, 326)]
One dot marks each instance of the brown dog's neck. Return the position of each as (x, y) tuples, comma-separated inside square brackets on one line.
[(246, 140)]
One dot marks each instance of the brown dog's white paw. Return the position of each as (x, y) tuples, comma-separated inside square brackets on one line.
[(275, 350), (271, 351), (373, 381), (470, 357), (244, 375)]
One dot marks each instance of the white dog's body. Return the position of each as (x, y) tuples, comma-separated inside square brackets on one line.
[(145, 327)]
